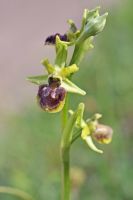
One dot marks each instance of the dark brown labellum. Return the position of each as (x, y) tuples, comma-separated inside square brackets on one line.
[(51, 99)]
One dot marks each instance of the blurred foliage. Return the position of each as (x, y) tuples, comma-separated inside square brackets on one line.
[(29, 144)]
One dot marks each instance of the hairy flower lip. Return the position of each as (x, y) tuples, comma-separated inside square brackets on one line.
[(50, 40), (51, 99)]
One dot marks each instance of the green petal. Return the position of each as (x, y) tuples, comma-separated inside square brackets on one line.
[(50, 68), (67, 71)]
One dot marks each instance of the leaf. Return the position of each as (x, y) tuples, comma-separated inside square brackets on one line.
[(38, 80), (71, 87), (68, 131)]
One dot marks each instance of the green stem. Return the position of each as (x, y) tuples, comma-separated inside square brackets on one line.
[(65, 155), (76, 58), (65, 163), (65, 174), (64, 114), (15, 192)]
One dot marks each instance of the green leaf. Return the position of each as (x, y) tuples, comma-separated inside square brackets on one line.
[(61, 52), (38, 80), (71, 87), (68, 131), (69, 128)]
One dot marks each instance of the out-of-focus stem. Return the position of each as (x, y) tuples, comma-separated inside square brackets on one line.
[(15, 192)]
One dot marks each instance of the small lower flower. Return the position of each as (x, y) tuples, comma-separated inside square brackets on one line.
[(91, 129), (51, 97)]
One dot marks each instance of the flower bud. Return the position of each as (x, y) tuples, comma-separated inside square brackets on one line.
[(52, 38), (103, 134), (51, 97), (93, 26)]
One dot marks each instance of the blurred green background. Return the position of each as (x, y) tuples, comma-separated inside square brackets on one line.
[(30, 138)]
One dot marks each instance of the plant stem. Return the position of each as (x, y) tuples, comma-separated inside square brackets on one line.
[(65, 163), (65, 155), (64, 114), (65, 174)]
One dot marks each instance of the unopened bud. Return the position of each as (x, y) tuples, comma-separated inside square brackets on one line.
[(94, 26)]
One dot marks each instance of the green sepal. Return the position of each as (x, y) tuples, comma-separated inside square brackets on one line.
[(73, 33), (92, 146), (88, 15), (85, 132), (71, 87), (38, 80), (49, 67), (61, 52), (73, 28)]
